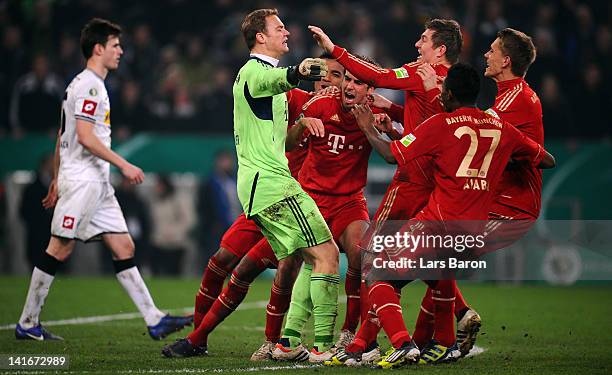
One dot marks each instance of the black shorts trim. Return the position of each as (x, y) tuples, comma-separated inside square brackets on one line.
[(301, 219)]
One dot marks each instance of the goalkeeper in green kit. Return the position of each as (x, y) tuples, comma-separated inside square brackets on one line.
[(287, 216)]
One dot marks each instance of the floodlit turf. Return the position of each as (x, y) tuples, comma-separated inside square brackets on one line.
[(526, 329)]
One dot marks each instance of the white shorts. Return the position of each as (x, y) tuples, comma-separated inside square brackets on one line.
[(85, 210)]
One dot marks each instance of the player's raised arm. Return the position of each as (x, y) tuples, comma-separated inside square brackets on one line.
[(271, 81), (398, 79)]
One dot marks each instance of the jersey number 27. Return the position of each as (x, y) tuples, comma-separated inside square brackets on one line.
[(464, 169)]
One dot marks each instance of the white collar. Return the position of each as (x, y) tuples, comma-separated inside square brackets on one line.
[(266, 58)]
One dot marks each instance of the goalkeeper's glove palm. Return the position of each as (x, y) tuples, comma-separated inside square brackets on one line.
[(310, 69)]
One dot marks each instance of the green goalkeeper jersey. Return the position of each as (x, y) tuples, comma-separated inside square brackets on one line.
[(260, 130)]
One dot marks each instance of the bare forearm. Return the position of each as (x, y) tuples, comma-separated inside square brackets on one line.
[(97, 148), (381, 145), (294, 135)]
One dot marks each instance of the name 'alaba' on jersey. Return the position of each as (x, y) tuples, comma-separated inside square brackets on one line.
[(470, 149), (85, 99)]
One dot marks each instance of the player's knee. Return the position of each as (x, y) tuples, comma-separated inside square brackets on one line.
[(353, 256), (326, 258), (60, 248), (225, 259), (122, 247), (59, 254), (248, 269)]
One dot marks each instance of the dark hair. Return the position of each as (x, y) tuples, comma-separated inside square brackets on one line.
[(326, 55), (253, 23), (519, 47), (464, 83), (447, 33), (95, 32)]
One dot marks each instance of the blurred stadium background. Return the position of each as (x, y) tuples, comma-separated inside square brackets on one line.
[(172, 107)]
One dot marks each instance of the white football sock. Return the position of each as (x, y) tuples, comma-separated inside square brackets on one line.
[(134, 285), (39, 289)]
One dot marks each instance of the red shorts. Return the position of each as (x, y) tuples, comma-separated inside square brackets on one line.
[(241, 236), (502, 212), (263, 254), (339, 211), (402, 201)]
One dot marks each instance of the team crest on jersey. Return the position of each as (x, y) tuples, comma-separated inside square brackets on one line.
[(93, 91), (491, 112), (68, 222), (407, 140), (335, 117), (401, 73), (89, 107)]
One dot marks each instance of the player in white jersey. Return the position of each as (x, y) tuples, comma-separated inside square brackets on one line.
[(86, 207)]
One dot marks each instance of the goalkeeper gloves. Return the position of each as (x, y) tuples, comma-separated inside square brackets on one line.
[(311, 69)]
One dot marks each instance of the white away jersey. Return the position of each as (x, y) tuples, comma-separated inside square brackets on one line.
[(85, 99)]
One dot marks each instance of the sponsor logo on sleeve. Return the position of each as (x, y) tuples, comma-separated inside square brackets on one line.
[(491, 112), (107, 118), (93, 91), (401, 73), (407, 140), (68, 222), (89, 107)]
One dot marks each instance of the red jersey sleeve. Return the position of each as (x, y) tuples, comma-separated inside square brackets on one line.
[(296, 99), (525, 149), (396, 112), (425, 141), (398, 79)]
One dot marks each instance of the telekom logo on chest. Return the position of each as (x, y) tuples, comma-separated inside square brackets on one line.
[(336, 142)]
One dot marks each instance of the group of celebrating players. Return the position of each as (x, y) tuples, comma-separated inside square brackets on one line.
[(303, 160), (330, 136)]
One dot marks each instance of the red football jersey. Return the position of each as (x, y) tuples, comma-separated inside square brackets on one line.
[(470, 150), (337, 164), (296, 99), (418, 103), (521, 185)]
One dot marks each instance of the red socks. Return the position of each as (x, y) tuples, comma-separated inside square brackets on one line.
[(210, 287), (386, 305), (460, 305), (275, 312), (443, 295), (353, 306), (423, 332), (228, 301), (424, 329)]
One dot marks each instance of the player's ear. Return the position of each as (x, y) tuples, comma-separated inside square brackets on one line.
[(506, 62), (98, 49), (441, 50), (260, 38)]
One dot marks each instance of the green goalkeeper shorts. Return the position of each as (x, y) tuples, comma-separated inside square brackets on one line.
[(291, 224)]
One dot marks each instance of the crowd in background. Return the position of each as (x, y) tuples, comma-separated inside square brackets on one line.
[(181, 56)]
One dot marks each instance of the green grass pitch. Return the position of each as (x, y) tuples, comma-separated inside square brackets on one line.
[(526, 329)]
